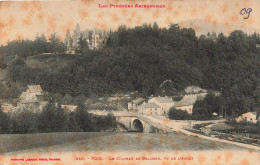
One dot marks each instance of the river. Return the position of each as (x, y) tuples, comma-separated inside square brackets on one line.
[(107, 141), (120, 148)]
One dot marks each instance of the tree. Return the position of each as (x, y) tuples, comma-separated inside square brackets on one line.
[(61, 120), (18, 70), (67, 99), (82, 118), (4, 121), (238, 41), (55, 43), (82, 45), (23, 121), (178, 114), (104, 122), (40, 44), (203, 110), (47, 118)]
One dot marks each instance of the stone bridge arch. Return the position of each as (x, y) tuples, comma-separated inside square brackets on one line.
[(136, 124), (142, 126)]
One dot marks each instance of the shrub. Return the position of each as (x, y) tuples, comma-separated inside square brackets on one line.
[(177, 114)]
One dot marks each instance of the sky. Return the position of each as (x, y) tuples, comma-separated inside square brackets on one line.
[(23, 20)]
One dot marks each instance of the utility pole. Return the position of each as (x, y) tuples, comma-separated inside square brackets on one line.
[(222, 110)]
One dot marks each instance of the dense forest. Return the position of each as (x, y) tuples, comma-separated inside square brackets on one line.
[(141, 58), (53, 118)]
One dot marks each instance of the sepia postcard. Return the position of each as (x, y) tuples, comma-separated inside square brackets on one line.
[(130, 82)]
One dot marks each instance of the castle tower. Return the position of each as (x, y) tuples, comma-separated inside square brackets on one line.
[(94, 39), (77, 28), (76, 35), (68, 39)]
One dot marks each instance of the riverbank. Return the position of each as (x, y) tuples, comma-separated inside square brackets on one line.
[(219, 140), (179, 125)]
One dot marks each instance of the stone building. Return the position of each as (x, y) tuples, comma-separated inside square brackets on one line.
[(147, 108), (249, 117), (161, 105), (164, 102), (32, 99), (132, 106)]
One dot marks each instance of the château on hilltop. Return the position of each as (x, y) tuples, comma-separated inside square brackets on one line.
[(94, 37)]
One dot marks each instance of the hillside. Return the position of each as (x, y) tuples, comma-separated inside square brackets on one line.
[(50, 62), (142, 58)]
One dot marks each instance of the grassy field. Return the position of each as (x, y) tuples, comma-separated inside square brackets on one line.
[(106, 141)]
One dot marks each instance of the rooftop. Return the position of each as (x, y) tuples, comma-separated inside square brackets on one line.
[(150, 105), (29, 101), (28, 98), (164, 99), (138, 100), (35, 88), (254, 113)]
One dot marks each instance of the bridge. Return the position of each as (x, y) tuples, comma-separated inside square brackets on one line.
[(148, 123), (142, 123)]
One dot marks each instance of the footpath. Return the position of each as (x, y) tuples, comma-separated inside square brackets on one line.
[(178, 126)]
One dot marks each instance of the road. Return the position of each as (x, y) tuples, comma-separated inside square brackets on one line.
[(176, 125)]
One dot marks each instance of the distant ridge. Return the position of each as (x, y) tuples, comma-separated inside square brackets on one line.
[(203, 27)]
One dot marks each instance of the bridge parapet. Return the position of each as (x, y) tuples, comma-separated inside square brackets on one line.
[(142, 124)]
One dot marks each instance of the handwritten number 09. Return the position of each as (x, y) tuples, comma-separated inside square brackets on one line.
[(244, 11)]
